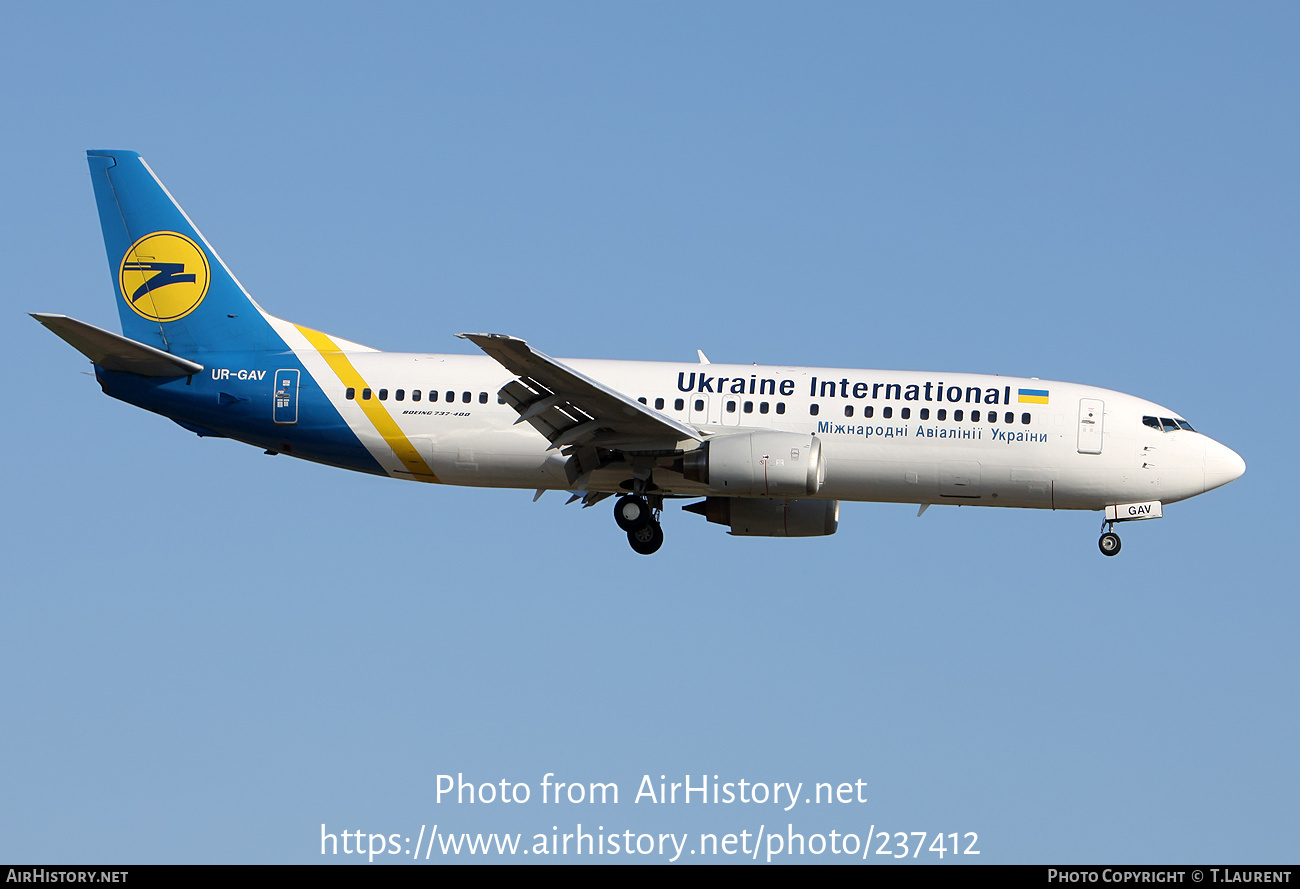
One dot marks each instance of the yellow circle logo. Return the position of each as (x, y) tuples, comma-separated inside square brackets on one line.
[(164, 276)]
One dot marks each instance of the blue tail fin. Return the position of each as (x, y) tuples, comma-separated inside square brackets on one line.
[(173, 291)]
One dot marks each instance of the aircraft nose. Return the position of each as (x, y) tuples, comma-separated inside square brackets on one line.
[(1222, 465)]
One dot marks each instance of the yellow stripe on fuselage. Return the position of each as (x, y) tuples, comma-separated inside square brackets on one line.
[(374, 409)]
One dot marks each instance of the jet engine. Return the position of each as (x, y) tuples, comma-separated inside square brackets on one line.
[(758, 464), (761, 517)]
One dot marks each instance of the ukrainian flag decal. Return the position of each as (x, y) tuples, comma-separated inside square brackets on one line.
[(1033, 396)]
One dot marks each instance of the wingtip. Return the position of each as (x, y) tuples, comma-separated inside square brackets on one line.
[(474, 337)]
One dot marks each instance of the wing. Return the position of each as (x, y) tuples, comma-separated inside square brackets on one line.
[(576, 412)]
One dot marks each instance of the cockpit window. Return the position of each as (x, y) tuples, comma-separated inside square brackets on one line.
[(1167, 424)]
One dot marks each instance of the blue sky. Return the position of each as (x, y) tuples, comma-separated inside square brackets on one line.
[(209, 653)]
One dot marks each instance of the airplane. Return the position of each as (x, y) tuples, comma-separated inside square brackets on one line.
[(771, 450)]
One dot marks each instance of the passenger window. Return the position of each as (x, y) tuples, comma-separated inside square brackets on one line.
[(482, 398), (974, 416), (942, 414), (731, 407), (848, 410), (350, 394), (415, 395), (365, 394), (642, 400), (762, 407), (1010, 417), (749, 407), (925, 413), (400, 395), (887, 413), (1024, 419), (451, 396), (467, 397), (659, 404), (383, 394), (869, 411), (815, 409), (699, 404), (906, 413), (433, 394), (679, 405), (780, 407), (957, 415)]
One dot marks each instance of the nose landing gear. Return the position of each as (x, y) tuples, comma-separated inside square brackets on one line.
[(1109, 544), (1124, 512)]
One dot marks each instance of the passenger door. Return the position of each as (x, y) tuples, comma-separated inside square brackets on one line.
[(1091, 413)]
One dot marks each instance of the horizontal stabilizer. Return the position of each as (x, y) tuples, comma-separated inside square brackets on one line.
[(113, 352)]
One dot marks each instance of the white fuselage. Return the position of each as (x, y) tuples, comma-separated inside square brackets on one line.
[(1085, 448)]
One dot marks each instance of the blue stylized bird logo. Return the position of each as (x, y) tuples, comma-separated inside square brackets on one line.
[(168, 273)]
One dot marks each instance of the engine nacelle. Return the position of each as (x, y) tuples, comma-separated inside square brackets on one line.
[(760, 517), (758, 464)]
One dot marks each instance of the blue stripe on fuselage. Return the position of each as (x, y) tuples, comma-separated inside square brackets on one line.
[(242, 408)]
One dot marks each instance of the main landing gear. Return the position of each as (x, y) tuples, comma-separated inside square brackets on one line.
[(635, 514)]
